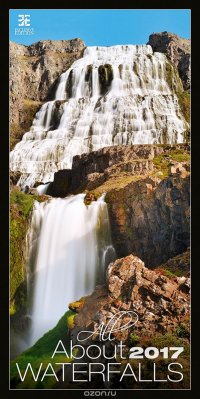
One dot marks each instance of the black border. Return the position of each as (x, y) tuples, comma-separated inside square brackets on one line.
[(4, 201)]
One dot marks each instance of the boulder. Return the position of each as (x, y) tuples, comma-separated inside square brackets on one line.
[(161, 303)]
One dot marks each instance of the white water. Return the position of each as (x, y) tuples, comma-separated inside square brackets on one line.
[(42, 188), (137, 108), (69, 249)]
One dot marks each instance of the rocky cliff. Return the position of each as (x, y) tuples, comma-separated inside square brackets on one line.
[(34, 71), (150, 217), (177, 50), (147, 190), (161, 305), (161, 302)]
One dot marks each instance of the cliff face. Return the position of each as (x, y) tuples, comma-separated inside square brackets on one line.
[(34, 71), (147, 190), (161, 302), (150, 218), (177, 50), (159, 308)]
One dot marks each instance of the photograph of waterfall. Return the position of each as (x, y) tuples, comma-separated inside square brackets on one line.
[(99, 200)]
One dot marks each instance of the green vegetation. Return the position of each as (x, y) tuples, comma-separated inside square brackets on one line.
[(77, 305), (134, 339), (175, 85), (184, 102), (165, 272), (163, 161), (24, 203), (70, 320), (160, 341), (41, 352), (21, 205), (116, 183), (183, 330), (177, 266), (172, 78)]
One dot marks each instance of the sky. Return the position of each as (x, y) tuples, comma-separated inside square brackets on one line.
[(98, 27)]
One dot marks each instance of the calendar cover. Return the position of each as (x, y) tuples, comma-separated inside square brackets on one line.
[(99, 200)]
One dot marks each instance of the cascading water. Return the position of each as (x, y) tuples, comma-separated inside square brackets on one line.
[(69, 249), (113, 95)]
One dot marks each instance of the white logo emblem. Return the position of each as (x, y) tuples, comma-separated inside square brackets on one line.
[(24, 20)]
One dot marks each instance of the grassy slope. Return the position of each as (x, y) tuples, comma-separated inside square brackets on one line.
[(161, 163), (41, 352)]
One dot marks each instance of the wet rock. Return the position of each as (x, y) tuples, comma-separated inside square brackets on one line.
[(177, 50), (105, 77), (91, 170), (89, 197), (60, 187), (34, 71), (33, 191), (14, 177)]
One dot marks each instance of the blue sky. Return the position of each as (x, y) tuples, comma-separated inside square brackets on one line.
[(100, 27)]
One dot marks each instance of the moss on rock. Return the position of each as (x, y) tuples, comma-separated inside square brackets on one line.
[(70, 320), (184, 102), (78, 305), (173, 79), (163, 161), (21, 205)]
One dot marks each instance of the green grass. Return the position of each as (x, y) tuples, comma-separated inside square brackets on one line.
[(24, 202), (163, 161), (177, 266), (169, 274), (21, 205), (41, 352)]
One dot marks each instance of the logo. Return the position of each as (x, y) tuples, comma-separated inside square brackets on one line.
[(24, 20)]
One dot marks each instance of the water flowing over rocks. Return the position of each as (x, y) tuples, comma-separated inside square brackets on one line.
[(149, 204), (69, 248), (177, 50), (34, 71), (117, 95)]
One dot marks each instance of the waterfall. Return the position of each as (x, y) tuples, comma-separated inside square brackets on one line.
[(42, 188), (69, 250), (111, 96)]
